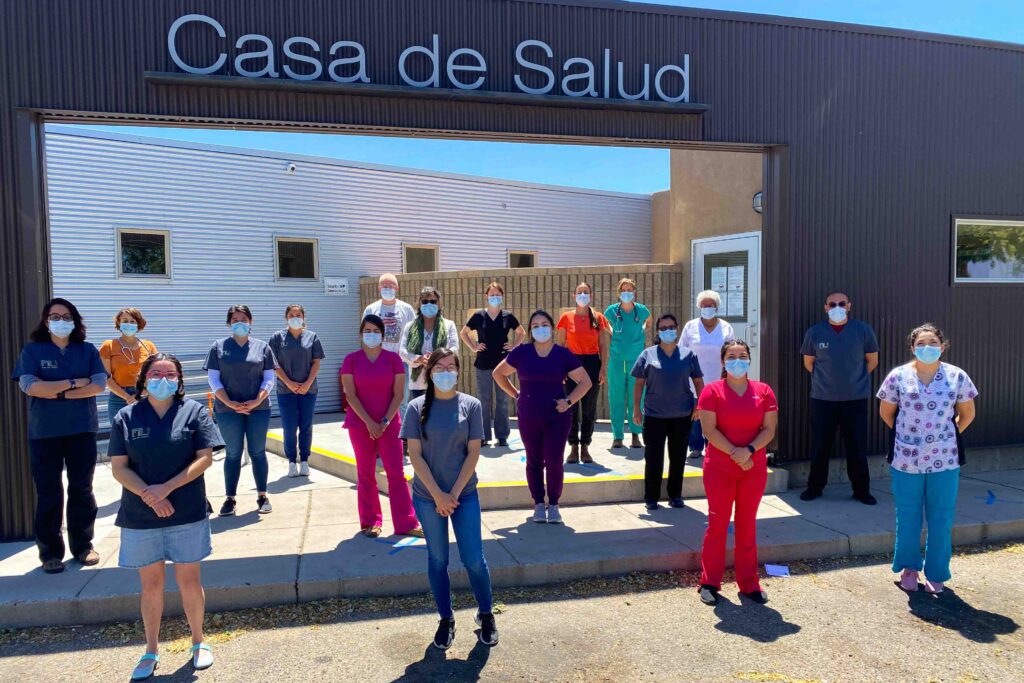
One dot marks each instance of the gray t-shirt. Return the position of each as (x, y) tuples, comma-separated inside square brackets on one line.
[(840, 370), (452, 423), (241, 369), (667, 381), (295, 355)]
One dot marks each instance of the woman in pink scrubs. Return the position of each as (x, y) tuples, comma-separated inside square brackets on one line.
[(374, 383)]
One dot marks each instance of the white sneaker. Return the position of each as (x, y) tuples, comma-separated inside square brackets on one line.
[(539, 514), (304, 469), (293, 470), (554, 516)]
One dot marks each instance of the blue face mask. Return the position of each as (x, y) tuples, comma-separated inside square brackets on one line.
[(927, 354), (372, 339), (60, 328), (737, 367), (667, 336), (240, 329), (582, 299), (161, 389), (494, 301), (627, 297), (129, 329), (445, 380), (428, 310), (296, 323), (709, 312), (541, 333), (387, 293), (837, 314)]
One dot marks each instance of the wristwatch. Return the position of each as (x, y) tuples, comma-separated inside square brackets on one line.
[(61, 396), (384, 421), (751, 448), (72, 383)]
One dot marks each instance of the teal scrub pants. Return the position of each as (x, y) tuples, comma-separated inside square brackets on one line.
[(934, 494), (620, 394)]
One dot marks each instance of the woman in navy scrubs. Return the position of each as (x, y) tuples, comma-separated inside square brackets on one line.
[(241, 374), (62, 375), (159, 448), (298, 352)]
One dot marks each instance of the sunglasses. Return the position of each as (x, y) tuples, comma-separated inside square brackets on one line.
[(835, 304), (666, 329), (429, 301)]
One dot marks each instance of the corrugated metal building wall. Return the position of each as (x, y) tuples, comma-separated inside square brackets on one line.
[(224, 206)]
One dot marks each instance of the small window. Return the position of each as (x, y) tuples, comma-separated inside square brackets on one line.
[(420, 258), (989, 251), (522, 259), (143, 253), (297, 258)]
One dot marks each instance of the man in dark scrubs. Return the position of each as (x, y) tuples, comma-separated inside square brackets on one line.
[(840, 353)]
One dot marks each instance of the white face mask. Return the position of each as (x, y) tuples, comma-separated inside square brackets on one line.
[(296, 323)]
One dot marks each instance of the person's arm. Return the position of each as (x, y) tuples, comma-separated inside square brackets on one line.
[(502, 377), (638, 393), (520, 337), (409, 358), (709, 425), (219, 392), (561, 331), (887, 411), (467, 338), (476, 434), (604, 336), (397, 394), (698, 387), (348, 383), (444, 503), (453, 338), (157, 492), (965, 412), (583, 385), (33, 386), (314, 370), (130, 480), (872, 361), (113, 386), (91, 388), (809, 363), (286, 380)]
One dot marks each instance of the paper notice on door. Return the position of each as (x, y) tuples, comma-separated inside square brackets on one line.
[(736, 278), (719, 278), (734, 304)]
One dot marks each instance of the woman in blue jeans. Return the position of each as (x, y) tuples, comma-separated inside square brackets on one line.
[(241, 374), (298, 352), (444, 428), (928, 404)]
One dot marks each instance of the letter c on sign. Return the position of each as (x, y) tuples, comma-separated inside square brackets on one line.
[(172, 34)]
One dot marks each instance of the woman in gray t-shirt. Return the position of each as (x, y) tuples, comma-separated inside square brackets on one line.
[(444, 429)]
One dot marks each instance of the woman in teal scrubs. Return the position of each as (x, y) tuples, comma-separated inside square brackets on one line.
[(629, 321)]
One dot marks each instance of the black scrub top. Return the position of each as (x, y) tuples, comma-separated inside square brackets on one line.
[(158, 449)]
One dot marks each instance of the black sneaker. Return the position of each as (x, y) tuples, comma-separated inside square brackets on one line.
[(488, 631), (708, 594), (263, 505), (760, 597), (652, 505), (228, 508), (502, 443), (810, 495), (676, 503), (866, 498), (445, 635)]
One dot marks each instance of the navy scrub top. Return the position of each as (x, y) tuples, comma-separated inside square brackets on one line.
[(840, 369), (296, 356), (241, 369), (51, 417), (158, 448), (667, 381)]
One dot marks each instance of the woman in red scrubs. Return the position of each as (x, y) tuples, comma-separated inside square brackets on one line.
[(739, 417)]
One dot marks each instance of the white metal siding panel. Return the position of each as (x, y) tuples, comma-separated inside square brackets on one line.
[(224, 208)]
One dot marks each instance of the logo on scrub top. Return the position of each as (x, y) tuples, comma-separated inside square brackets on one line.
[(48, 364), (140, 433), (822, 345)]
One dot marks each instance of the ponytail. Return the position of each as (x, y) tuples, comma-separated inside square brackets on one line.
[(428, 401)]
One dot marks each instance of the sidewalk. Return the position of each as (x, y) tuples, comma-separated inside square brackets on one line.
[(310, 546)]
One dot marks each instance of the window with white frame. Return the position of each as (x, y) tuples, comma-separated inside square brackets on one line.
[(143, 253), (420, 258), (298, 258), (522, 259), (988, 250)]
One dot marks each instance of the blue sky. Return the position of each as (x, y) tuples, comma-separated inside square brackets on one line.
[(602, 167)]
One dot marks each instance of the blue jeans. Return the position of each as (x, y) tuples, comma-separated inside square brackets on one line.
[(238, 431), (466, 522), (115, 403), (697, 442), (935, 492), (297, 415), (495, 404)]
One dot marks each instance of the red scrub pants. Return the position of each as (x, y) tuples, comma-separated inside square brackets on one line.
[(725, 485)]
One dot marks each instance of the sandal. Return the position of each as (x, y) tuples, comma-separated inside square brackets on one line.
[(371, 531), (53, 566), (202, 656), (416, 533), (146, 666)]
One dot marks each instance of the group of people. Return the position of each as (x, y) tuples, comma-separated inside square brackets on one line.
[(688, 391)]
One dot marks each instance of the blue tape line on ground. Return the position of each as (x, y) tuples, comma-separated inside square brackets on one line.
[(408, 542)]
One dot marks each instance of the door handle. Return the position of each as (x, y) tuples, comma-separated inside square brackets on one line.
[(752, 336)]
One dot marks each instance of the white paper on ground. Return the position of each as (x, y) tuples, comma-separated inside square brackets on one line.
[(776, 570)]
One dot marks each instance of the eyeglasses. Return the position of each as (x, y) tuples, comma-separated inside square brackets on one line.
[(429, 301), (835, 304), (164, 375), (67, 317)]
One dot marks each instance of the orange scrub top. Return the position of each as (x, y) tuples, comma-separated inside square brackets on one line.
[(580, 337), (126, 363)]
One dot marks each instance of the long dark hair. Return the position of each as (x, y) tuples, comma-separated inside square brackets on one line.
[(42, 332), (435, 357), (541, 312), (590, 309), (140, 383), (728, 345)]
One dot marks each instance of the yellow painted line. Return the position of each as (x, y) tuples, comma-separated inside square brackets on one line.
[(321, 451)]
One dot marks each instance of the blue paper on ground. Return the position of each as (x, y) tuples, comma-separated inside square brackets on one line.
[(776, 570)]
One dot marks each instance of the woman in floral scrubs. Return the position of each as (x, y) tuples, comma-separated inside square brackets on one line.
[(928, 404)]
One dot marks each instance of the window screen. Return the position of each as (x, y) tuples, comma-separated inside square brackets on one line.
[(296, 259), (143, 252), (420, 259)]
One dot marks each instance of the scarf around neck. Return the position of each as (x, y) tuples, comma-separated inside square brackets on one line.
[(415, 342)]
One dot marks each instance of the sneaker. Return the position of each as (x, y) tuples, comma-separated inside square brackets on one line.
[(908, 580), (695, 455), (540, 513), (502, 443), (652, 505), (554, 516), (486, 443), (585, 454), (810, 495), (293, 470), (617, 443), (675, 503), (263, 505), (228, 508), (304, 469), (574, 455), (445, 635), (53, 566), (866, 498), (488, 631), (636, 442), (708, 594), (760, 597)]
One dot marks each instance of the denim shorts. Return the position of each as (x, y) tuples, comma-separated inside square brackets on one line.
[(181, 544)]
